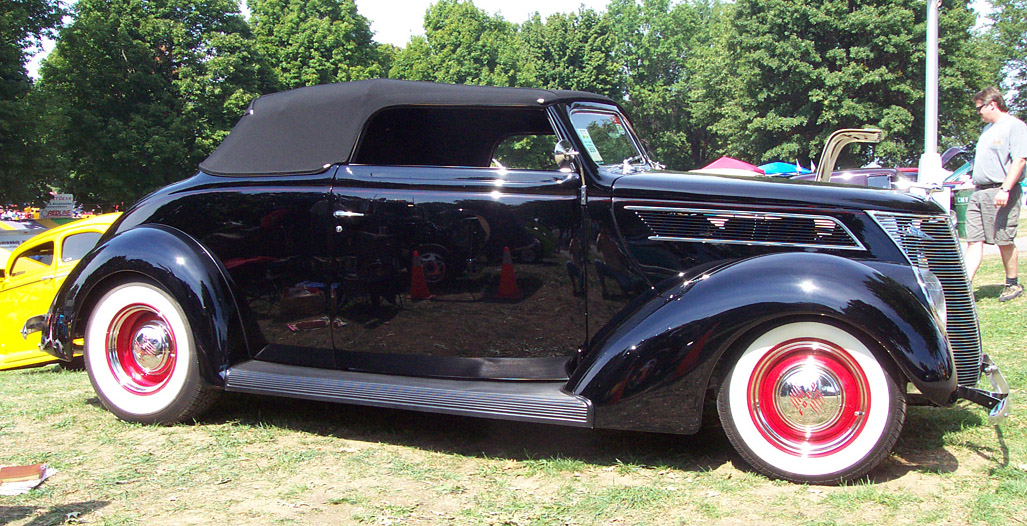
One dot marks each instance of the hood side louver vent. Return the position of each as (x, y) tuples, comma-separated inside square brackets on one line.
[(746, 228)]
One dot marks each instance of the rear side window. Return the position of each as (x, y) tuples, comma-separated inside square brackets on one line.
[(526, 152), (446, 136), (36, 258), (76, 245)]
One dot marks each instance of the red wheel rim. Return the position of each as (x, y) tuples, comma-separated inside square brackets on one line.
[(808, 397), (141, 349)]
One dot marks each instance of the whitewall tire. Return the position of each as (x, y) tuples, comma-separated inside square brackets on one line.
[(141, 359), (809, 402)]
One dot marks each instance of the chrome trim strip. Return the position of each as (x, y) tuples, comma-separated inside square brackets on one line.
[(857, 245), (748, 243)]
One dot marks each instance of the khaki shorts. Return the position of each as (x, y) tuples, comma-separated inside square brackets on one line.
[(994, 226)]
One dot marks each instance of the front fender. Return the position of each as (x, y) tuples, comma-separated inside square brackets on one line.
[(176, 262), (651, 371)]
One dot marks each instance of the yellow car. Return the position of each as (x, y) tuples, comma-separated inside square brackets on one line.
[(33, 272)]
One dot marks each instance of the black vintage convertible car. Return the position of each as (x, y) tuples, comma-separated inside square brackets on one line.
[(420, 246)]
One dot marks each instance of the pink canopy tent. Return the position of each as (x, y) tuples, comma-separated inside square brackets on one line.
[(729, 166)]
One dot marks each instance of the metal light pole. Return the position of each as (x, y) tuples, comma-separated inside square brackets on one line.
[(930, 170)]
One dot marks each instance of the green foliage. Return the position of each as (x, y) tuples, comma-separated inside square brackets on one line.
[(137, 92), (22, 24), (311, 42), (1010, 31), (807, 69), (141, 90), (573, 51), (675, 61), (463, 45)]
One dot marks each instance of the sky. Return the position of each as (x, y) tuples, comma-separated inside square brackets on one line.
[(394, 22)]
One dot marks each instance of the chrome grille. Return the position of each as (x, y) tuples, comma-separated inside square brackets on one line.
[(930, 242), (746, 228)]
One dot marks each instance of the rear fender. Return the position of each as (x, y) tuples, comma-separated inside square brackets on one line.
[(170, 259), (651, 372)]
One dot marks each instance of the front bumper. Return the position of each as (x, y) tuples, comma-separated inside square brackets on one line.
[(997, 400)]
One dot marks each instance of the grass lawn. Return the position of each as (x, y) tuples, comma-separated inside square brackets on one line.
[(259, 460)]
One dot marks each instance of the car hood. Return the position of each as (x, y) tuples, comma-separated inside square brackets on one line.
[(706, 189)]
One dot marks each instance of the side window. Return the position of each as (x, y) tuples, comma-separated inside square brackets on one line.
[(36, 258), (454, 136), (526, 152), (76, 245)]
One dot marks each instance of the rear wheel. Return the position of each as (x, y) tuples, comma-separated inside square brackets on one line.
[(809, 402), (141, 359)]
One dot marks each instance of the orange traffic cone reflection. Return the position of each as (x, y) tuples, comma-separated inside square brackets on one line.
[(418, 285), (507, 280)]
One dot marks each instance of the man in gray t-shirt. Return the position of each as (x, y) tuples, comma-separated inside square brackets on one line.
[(994, 207)]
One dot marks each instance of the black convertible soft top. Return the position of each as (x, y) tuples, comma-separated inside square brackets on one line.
[(308, 129)]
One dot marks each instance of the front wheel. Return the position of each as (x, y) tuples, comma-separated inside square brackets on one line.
[(141, 359), (809, 402)]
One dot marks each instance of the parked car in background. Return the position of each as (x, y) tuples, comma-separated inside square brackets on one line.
[(291, 265), (30, 276)]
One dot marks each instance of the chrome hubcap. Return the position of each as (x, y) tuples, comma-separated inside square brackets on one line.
[(151, 346), (141, 349), (809, 397)]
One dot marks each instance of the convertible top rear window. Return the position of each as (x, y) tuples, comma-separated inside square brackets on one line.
[(444, 136)]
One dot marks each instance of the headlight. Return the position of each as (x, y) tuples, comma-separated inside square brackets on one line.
[(931, 285)]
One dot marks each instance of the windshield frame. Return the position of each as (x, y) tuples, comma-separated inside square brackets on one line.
[(614, 166)]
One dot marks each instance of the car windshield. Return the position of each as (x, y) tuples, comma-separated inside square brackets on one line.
[(605, 137)]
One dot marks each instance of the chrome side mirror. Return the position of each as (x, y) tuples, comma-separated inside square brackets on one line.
[(565, 154)]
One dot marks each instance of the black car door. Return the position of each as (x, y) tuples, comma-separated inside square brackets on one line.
[(456, 272)]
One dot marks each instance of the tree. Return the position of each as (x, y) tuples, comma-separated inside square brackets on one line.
[(23, 23), (142, 90), (1010, 29), (674, 59), (573, 51), (463, 45), (808, 68), (311, 42)]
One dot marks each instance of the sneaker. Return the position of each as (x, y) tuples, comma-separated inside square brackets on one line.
[(1010, 292)]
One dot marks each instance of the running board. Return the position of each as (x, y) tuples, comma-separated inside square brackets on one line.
[(542, 402)]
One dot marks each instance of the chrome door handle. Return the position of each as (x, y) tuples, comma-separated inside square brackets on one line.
[(343, 214)]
